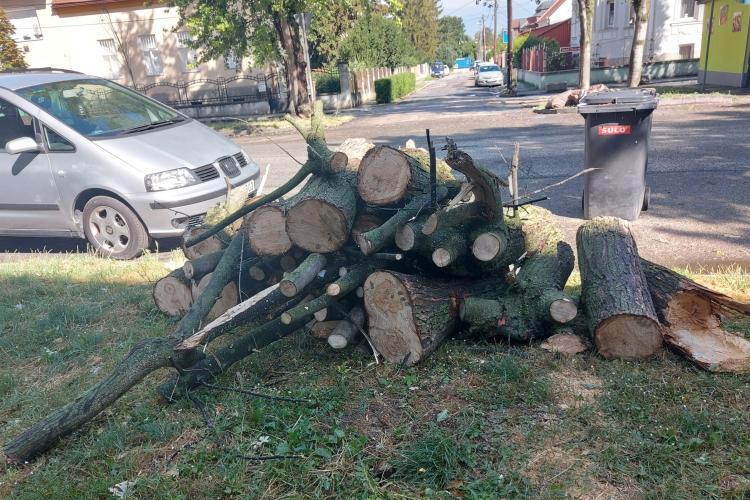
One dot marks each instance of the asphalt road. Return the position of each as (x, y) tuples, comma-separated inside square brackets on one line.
[(699, 171)]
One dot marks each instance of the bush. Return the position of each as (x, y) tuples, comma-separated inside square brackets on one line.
[(391, 88), (326, 82)]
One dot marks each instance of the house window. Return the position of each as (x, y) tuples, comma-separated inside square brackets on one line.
[(687, 9), (610, 13), (151, 57), (26, 25), (188, 56), (111, 63), (231, 61), (686, 51)]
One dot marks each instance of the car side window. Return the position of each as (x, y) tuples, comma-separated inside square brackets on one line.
[(14, 123), (56, 142)]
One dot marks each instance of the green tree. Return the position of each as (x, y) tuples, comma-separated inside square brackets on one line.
[(11, 56), (452, 32), (375, 41), (446, 53), (419, 20), (264, 28)]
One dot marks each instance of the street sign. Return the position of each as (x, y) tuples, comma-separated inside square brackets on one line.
[(505, 36), (570, 49), (303, 19)]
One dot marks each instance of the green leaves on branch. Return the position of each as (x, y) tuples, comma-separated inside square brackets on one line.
[(377, 42)]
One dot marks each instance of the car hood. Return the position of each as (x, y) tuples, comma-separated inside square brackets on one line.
[(189, 144), (490, 74)]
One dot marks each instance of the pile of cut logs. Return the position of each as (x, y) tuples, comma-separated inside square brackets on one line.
[(384, 248)]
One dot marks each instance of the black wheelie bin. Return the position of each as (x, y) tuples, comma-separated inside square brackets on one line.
[(618, 127)]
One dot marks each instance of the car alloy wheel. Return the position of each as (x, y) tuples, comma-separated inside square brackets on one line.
[(113, 229)]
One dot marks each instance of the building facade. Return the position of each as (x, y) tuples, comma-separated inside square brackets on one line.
[(121, 40), (673, 33)]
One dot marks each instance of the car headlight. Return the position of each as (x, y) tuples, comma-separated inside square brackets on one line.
[(171, 179)]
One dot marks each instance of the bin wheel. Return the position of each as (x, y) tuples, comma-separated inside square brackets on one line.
[(646, 199)]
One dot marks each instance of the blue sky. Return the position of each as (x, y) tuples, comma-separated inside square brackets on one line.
[(472, 13)]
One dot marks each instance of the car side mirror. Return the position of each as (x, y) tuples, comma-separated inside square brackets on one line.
[(21, 145)]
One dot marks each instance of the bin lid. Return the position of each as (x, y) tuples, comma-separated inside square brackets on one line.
[(616, 100)]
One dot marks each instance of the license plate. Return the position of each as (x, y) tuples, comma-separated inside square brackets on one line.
[(250, 186)]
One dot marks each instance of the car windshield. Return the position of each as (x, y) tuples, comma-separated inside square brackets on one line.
[(483, 69), (99, 108)]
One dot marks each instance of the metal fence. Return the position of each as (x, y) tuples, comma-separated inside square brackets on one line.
[(237, 89)]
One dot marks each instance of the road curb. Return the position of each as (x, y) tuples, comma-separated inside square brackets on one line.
[(670, 101)]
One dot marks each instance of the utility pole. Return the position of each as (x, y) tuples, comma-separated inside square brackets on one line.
[(482, 40), (511, 82), (494, 50)]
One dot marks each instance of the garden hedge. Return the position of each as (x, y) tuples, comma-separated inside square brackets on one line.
[(391, 88)]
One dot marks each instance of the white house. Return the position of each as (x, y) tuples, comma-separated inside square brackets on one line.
[(674, 31)]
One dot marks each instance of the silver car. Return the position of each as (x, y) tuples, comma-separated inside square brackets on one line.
[(85, 157), (489, 75)]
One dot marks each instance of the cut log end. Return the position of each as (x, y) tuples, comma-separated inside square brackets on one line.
[(339, 161), (628, 337), (257, 273), (172, 296), (405, 238), (287, 263), (431, 224), (337, 341), (442, 257), (488, 245), (393, 330), (288, 289), (205, 247), (188, 269), (321, 315), (383, 176), (286, 318), (563, 310), (333, 289), (265, 228), (317, 226)]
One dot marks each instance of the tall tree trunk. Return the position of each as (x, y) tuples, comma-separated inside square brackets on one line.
[(642, 8), (299, 100), (586, 18)]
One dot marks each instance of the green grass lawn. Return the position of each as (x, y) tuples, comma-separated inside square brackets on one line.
[(667, 92), (468, 423)]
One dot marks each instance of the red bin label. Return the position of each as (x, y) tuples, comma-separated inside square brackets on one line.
[(614, 129)]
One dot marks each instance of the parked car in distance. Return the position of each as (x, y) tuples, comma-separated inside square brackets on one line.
[(489, 75), (85, 157), (439, 70)]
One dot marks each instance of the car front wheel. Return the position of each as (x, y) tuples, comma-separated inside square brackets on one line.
[(113, 229)]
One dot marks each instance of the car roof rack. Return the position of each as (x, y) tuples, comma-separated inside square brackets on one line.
[(40, 70)]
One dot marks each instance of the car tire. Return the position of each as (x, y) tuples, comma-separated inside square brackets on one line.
[(646, 199), (113, 229)]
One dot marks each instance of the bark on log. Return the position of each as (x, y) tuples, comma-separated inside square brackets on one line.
[(265, 228), (517, 234), (410, 237), (146, 356), (364, 223), (172, 294), (320, 217), (614, 291), (228, 297), (387, 175), (348, 330), (355, 276), (689, 314), (321, 330), (197, 268), (534, 302), (372, 241), (410, 315), (207, 244), (298, 279), (449, 245), (452, 216), (486, 185)]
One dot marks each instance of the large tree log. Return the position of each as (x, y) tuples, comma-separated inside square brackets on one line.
[(320, 217), (411, 315), (265, 228), (364, 223), (228, 298), (387, 175), (145, 357), (172, 293), (689, 314), (614, 292)]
